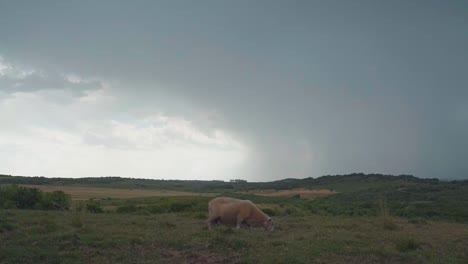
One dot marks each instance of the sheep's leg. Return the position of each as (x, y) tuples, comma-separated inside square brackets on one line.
[(211, 221), (239, 222), (245, 225)]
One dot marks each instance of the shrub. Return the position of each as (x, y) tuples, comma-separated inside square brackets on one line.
[(127, 208), (57, 200), (407, 244), (387, 221), (26, 198), (13, 196), (93, 207), (80, 206), (76, 221), (297, 196)]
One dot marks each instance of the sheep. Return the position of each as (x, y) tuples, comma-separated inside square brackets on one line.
[(241, 213)]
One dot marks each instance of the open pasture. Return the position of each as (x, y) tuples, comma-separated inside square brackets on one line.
[(399, 223), (300, 192), (71, 237), (85, 193), (173, 230)]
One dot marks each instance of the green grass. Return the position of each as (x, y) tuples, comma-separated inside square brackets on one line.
[(358, 194), (181, 236), (374, 219)]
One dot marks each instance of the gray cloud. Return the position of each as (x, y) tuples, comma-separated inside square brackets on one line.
[(312, 87), (15, 78)]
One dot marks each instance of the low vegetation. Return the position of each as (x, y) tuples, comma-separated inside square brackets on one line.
[(146, 236), (13, 196), (402, 222), (340, 183)]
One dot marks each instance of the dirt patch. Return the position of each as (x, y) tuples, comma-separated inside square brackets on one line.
[(85, 193)]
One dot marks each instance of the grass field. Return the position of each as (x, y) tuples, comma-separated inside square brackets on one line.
[(106, 225), (302, 192), (77, 237), (85, 193), (173, 229)]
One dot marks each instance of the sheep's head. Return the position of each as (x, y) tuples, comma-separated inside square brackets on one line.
[(268, 225)]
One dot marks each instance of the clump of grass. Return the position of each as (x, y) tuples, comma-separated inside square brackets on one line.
[(199, 215), (167, 225), (79, 206), (406, 244), (226, 230), (291, 211), (5, 225), (223, 243), (387, 221), (270, 211), (94, 207), (389, 224), (417, 221), (76, 221), (48, 224), (127, 208)]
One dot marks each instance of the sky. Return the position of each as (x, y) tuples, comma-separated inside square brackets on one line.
[(219, 90)]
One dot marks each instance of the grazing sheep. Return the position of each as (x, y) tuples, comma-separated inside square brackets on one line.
[(241, 213)]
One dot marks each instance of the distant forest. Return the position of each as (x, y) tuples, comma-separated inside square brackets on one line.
[(340, 183)]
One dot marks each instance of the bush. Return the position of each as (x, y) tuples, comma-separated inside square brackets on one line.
[(13, 196), (80, 206), (93, 207), (57, 200), (25, 198), (127, 208), (407, 244)]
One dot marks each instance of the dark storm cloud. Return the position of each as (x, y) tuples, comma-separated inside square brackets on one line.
[(313, 87), (18, 78), (35, 83)]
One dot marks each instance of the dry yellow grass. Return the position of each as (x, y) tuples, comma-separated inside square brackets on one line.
[(85, 193), (305, 193)]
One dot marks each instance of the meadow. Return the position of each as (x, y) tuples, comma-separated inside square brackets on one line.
[(364, 226), (86, 193), (173, 230)]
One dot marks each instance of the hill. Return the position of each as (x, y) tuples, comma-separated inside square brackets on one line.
[(356, 223), (354, 194), (340, 183)]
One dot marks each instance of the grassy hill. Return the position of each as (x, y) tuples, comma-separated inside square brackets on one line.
[(371, 219), (358, 194), (340, 183)]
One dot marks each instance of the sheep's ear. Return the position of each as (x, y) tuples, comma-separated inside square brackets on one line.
[(269, 219)]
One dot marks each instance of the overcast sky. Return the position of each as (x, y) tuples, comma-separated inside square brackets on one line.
[(256, 90)]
